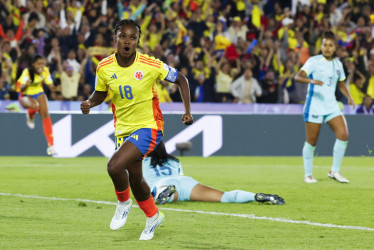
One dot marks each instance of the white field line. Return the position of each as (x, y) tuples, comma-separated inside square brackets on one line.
[(250, 216)]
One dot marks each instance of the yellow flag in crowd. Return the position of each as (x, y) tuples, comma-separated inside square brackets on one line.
[(256, 16)]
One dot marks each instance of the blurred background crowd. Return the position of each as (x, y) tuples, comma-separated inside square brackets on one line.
[(237, 51)]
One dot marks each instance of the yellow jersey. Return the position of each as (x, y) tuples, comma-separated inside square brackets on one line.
[(135, 103), (36, 86)]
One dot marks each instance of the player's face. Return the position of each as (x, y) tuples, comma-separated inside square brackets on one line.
[(127, 38), (328, 47), (39, 65)]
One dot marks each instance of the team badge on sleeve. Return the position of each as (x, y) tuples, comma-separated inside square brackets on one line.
[(172, 75), (138, 75)]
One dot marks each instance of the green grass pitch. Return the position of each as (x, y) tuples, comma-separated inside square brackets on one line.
[(38, 223)]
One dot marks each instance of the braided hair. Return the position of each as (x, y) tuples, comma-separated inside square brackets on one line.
[(125, 22), (159, 156)]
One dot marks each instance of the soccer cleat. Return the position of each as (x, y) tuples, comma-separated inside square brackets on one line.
[(151, 226), (30, 122), (164, 195), (51, 151), (120, 216), (269, 198), (310, 179), (337, 176)]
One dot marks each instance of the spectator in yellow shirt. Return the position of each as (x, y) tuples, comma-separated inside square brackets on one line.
[(370, 89)]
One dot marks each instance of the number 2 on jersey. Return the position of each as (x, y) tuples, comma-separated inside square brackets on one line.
[(164, 170), (127, 90)]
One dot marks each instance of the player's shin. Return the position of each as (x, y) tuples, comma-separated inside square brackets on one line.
[(32, 112), (308, 153), (338, 154), (123, 196), (148, 206), (238, 196)]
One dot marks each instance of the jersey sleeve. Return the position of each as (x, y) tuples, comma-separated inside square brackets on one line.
[(341, 73), (308, 66), (47, 76), (25, 76), (100, 83), (168, 73)]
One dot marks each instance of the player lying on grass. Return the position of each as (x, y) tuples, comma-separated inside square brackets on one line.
[(164, 174)]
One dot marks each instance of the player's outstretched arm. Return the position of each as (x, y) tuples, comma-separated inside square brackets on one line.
[(95, 99), (184, 90), (301, 78)]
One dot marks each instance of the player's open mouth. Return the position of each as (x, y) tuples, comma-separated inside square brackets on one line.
[(126, 49)]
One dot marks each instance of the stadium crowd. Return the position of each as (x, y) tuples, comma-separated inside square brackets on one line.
[(240, 51)]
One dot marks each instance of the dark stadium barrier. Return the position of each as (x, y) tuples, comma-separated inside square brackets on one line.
[(218, 135)]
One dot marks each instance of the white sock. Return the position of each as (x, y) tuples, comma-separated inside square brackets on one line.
[(238, 196), (124, 203), (338, 154), (308, 154)]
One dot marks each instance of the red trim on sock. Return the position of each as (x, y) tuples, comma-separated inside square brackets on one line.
[(123, 196), (47, 129), (148, 206)]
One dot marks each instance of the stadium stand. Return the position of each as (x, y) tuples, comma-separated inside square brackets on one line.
[(213, 42)]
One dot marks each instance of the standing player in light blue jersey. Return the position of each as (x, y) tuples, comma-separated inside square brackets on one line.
[(164, 174), (323, 73)]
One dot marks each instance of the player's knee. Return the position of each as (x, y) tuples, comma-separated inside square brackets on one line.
[(113, 168), (25, 103), (344, 137)]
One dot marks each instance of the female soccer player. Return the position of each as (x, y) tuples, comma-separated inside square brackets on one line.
[(164, 174), (138, 120), (323, 73), (32, 97)]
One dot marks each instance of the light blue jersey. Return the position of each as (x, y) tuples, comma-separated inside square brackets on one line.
[(320, 100), (152, 175), (170, 173)]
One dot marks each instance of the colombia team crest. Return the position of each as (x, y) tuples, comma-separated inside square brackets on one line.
[(138, 75)]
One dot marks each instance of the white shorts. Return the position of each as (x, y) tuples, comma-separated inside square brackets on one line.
[(314, 118)]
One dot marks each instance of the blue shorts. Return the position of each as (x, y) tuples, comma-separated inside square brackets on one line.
[(183, 185), (20, 95), (321, 118), (145, 139)]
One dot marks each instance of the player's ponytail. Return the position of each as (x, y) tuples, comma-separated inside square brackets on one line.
[(31, 67), (159, 156)]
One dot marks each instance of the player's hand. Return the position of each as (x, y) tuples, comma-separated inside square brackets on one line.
[(317, 82), (351, 102), (187, 119), (85, 107)]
